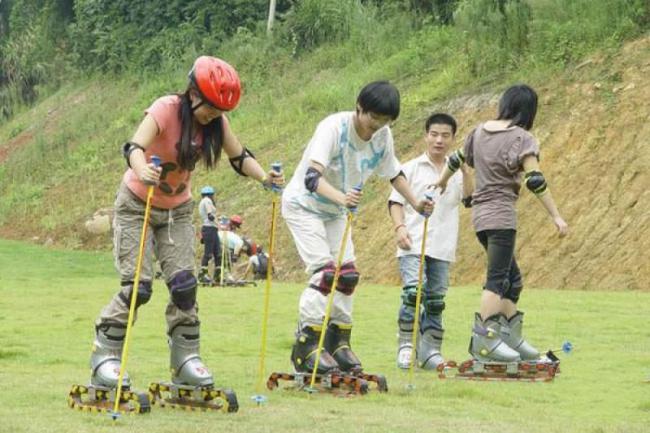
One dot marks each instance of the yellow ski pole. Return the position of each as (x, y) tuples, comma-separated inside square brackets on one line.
[(134, 294), (418, 296), (330, 298), (224, 249), (260, 398)]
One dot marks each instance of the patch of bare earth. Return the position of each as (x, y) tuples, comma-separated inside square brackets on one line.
[(593, 129)]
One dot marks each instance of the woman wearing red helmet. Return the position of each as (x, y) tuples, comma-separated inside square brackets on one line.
[(180, 129)]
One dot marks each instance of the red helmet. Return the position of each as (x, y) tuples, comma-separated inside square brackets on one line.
[(236, 220), (217, 82)]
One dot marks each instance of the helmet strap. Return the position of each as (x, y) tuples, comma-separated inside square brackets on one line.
[(197, 106)]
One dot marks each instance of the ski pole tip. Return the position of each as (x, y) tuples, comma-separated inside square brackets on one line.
[(259, 399)]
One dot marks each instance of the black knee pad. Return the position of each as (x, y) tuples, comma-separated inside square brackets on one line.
[(144, 292), (348, 279), (327, 278), (409, 296), (182, 288), (434, 304)]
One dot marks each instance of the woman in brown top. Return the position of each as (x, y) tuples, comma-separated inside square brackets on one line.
[(503, 154)]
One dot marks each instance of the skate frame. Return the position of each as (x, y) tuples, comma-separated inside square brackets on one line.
[(101, 399), (201, 398), (543, 370), (334, 383)]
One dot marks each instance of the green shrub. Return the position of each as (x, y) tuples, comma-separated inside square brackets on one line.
[(314, 22)]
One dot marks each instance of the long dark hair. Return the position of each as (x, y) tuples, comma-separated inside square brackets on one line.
[(210, 151), (519, 105)]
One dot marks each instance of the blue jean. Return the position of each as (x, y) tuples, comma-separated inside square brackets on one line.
[(436, 281)]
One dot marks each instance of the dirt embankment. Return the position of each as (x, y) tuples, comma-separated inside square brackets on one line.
[(593, 126)]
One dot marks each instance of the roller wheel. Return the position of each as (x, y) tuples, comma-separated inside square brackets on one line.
[(382, 385), (363, 387), (231, 398), (145, 404)]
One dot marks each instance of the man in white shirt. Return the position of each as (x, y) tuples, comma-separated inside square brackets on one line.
[(346, 149), (442, 238)]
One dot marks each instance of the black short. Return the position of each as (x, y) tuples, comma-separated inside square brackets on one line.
[(503, 275)]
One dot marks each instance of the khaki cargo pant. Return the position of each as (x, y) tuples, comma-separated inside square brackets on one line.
[(170, 237)]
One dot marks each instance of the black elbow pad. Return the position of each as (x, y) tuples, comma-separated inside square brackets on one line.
[(128, 148), (237, 162), (311, 179), (535, 182)]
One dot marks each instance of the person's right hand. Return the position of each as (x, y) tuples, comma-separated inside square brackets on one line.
[(562, 226), (352, 198), (403, 239), (150, 174)]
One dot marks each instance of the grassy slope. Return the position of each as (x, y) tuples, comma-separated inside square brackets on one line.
[(63, 158), (49, 299)]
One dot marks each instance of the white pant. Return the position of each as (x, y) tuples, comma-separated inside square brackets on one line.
[(318, 242)]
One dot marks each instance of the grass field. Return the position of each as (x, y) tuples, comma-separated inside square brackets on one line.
[(49, 299)]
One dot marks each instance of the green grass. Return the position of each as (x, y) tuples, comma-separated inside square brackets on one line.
[(49, 299)]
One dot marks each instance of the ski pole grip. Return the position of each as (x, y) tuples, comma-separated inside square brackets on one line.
[(429, 196), (357, 188), (276, 167)]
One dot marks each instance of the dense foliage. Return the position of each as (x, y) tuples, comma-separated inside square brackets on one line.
[(46, 42)]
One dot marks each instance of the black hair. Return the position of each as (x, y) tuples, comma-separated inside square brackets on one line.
[(441, 119), (519, 105), (210, 151), (380, 97)]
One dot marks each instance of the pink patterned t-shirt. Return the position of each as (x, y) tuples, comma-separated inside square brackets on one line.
[(174, 188)]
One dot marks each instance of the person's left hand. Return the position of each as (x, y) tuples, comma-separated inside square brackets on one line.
[(562, 226)]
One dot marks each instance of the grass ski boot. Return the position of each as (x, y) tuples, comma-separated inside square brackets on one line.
[(105, 360), (192, 385)]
